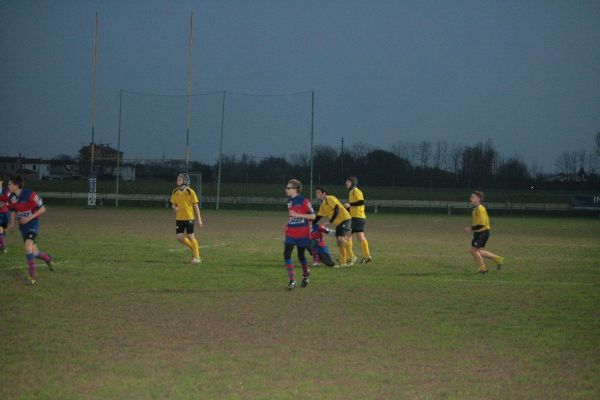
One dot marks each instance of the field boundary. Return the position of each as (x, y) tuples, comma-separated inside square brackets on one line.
[(374, 205)]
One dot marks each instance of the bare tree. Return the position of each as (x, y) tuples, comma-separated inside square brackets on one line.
[(581, 158), (424, 153), (597, 144), (456, 153), (567, 164), (360, 150), (440, 156), (536, 171)]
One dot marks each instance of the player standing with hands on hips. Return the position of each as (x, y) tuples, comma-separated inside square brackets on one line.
[(356, 207), (187, 214)]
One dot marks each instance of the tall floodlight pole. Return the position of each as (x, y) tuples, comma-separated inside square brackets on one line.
[(92, 175), (312, 135), (119, 148), (189, 97), (342, 159), (220, 152)]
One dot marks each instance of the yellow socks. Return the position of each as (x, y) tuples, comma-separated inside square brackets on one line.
[(194, 247), (351, 251), (364, 246), (342, 248)]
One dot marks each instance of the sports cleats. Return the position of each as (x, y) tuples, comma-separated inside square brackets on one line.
[(196, 260), (366, 260), (305, 282), (291, 285), (50, 263)]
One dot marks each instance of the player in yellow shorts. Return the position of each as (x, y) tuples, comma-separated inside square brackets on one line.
[(339, 217), (356, 207), (187, 214), (481, 233)]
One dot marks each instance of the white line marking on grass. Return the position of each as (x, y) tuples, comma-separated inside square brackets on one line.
[(24, 266), (537, 283)]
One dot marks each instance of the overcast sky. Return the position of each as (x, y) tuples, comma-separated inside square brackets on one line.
[(525, 74)]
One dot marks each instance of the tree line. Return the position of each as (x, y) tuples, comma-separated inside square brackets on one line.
[(438, 164)]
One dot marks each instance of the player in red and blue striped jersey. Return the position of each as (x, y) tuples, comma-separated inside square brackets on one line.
[(318, 248), (297, 231), (28, 206), (4, 213)]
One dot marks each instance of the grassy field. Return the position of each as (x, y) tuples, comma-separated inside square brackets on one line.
[(126, 316)]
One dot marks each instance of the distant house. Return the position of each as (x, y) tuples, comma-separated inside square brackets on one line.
[(105, 162), (61, 169), (28, 168)]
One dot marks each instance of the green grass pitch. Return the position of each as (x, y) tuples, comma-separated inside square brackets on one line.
[(127, 316)]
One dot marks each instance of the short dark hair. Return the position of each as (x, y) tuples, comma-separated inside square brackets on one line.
[(322, 189), (353, 179), (479, 194), (17, 180), (296, 184)]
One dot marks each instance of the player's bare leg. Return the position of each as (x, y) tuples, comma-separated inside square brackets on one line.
[(499, 260), (478, 260)]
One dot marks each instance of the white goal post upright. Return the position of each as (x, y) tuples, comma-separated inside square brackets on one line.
[(91, 201)]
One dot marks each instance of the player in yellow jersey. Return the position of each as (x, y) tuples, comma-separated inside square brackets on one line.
[(356, 207), (187, 214), (481, 232), (339, 217)]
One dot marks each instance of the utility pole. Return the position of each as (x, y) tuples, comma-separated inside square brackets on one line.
[(342, 160)]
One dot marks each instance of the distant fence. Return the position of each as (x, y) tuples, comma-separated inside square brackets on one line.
[(372, 205)]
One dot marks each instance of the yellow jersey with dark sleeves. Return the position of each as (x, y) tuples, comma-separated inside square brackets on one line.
[(357, 203), (184, 200), (334, 210), (480, 220)]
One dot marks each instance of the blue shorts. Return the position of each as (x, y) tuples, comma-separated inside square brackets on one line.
[(30, 230), (299, 242), (4, 220)]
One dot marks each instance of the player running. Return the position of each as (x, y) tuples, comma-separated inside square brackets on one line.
[(481, 233), (297, 231), (356, 207), (332, 208), (28, 206), (4, 214), (187, 214)]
